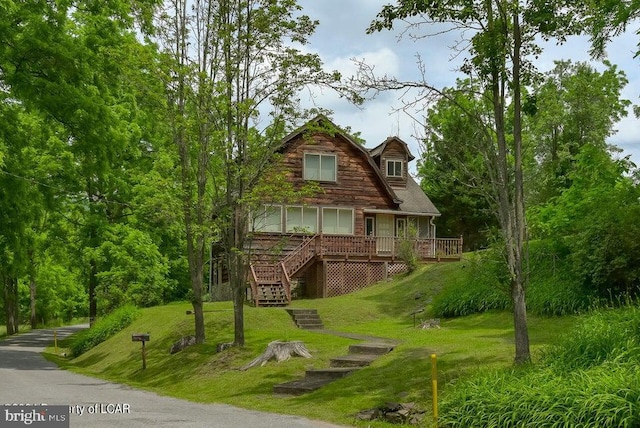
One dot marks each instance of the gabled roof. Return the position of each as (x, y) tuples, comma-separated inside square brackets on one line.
[(377, 151), (414, 200), (410, 199), (332, 127)]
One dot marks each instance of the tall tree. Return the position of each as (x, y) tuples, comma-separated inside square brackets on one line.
[(452, 171), (229, 63), (574, 105), (67, 61), (503, 37)]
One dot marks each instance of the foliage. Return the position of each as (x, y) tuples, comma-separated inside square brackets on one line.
[(131, 270), (479, 287), (594, 220), (103, 329), (573, 106), (407, 250), (586, 379), (605, 336), (452, 171)]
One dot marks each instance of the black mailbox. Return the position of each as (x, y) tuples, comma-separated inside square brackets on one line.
[(140, 337)]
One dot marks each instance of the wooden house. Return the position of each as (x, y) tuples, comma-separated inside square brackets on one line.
[(348, 235)]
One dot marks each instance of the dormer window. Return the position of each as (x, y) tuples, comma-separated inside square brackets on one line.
[(320, 167), (394, 168)]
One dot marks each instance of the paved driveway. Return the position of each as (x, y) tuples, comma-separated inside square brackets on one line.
[(27, 378)]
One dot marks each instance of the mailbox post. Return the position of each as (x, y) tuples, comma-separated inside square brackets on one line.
[(141, 337)]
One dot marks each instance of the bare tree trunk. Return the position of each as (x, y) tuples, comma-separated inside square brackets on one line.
[(11, 304), (32, 302), (519, 287)]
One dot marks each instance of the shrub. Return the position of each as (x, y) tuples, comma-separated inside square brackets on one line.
[(477, 288), (553, 289), (606, 335), (103, 329)]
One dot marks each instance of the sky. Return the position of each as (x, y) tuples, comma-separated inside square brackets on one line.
[(340, 38)]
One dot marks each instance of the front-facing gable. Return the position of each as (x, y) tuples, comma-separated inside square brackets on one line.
[(357, 180)]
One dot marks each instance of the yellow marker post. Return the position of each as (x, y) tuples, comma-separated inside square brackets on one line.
[(434, 389)]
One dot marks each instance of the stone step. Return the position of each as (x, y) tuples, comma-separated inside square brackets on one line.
[(293, 311), (331, 373), (307, 319), (302, 386), (310, 325), (371, 348), (353, 360)]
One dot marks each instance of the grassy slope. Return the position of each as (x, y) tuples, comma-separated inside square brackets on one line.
[(199, 374)]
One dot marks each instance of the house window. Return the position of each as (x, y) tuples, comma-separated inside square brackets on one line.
[(302, 219), (394, 168), (319, 167), (337, 221), (268, 219)]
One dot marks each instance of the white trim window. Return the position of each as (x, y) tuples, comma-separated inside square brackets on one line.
[(302, 219), (338, 221), (268, 219), (320, 167), (394, 168)]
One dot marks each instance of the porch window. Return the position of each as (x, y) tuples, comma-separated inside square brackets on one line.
[(268, 219), (370, 226), (394, 168), (401, 228), (337, 221), (424, 228), (320, 167), (302, 219)]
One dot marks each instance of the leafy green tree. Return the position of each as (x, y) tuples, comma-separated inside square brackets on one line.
[(573, 106), (80, 65), (453, 174), (227, 63), (595, 220), (500, 40)]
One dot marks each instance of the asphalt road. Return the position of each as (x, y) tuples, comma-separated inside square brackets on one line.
[(27, 378)]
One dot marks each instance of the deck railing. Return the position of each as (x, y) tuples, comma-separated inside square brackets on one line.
[(388, 246)]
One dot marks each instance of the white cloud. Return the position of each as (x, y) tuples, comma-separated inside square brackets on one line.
[(341, 37)]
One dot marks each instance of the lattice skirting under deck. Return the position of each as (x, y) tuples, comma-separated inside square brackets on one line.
[(344, 277)]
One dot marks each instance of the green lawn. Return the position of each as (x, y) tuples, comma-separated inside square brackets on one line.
[(198, 373)]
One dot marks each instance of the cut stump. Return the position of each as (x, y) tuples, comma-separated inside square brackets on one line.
[(280, 351)]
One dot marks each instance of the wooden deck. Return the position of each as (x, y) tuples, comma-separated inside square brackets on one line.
[(270, 277)]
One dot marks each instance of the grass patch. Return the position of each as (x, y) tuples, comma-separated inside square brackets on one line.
[(463, 346), (587, 379)]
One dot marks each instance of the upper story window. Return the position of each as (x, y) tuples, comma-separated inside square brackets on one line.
[(320, 167), (394, 168)]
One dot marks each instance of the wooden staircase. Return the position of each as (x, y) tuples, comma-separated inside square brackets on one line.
[(271, 282)]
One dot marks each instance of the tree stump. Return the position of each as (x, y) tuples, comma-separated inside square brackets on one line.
[(280, 351)]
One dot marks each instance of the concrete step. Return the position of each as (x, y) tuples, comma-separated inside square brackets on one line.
[(353, 360), (309, 323), (302, 386), (307, 319), (371, 348), (293, 311), (331, 373)]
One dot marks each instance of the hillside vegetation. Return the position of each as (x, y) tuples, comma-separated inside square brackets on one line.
[(463, 345)]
